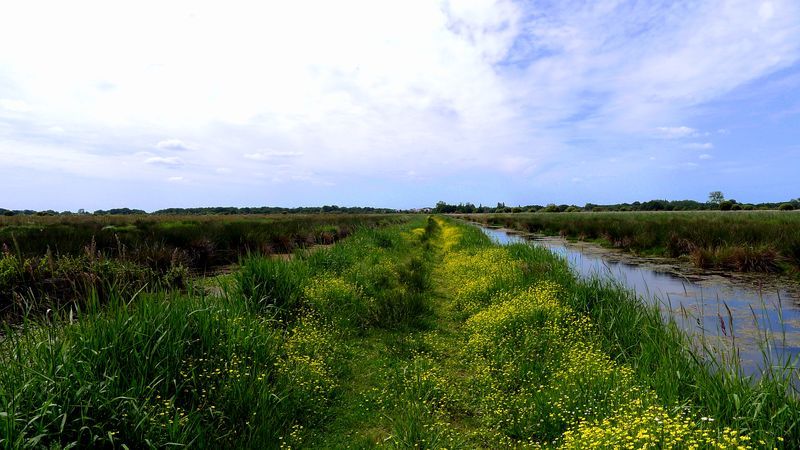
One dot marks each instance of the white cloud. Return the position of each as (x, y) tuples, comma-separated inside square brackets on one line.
[(699, 145), (223, 170), (175, 179), (271, 154), (705, 156), (676, 132), (165, 161), (172, 144), (36, 157)]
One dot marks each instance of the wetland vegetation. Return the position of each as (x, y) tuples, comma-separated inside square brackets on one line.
[(418, 334), (757, 241), (47, 262)]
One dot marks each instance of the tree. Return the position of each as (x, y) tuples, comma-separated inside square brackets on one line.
[(551, 207), (715, 197)]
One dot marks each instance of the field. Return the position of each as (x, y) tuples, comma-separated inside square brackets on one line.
[(421, 334), (46, 263), (759, 241)]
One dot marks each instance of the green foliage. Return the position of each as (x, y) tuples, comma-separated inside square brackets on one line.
[(786, 207), (550, 208), (10, 272), (715, 198)]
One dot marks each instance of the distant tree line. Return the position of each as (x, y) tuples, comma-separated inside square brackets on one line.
[(716, 202), (222, 210)]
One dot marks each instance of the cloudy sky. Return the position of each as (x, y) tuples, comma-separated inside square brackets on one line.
[(396, 103)]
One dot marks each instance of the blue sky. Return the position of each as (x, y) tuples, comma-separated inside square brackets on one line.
[(399, 104)]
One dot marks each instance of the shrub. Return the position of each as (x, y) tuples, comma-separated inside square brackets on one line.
[(786, 207)]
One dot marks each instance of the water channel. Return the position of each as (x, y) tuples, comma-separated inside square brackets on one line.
[(761, 322)]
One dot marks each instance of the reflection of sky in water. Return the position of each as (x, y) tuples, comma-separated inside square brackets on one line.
[(753, 313)]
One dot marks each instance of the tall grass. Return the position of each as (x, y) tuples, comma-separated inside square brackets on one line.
[(162, 370), (683, 371), (201, 240)]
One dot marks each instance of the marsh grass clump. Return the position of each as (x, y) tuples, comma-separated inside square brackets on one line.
[(272, 285), (740, 259), (32, 286)]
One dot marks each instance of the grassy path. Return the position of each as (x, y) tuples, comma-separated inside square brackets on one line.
[(380, 405), (499, 361)]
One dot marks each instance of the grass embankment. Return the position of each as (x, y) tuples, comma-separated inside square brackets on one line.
[(45, 262), (760, 241), (421, 335)]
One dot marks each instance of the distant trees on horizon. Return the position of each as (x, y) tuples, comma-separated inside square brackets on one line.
[(716, 202), (218, 210)]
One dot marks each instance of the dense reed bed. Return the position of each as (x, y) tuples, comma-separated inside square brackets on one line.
[(205, 240), (419, 335), (762, 241), (46, 262)]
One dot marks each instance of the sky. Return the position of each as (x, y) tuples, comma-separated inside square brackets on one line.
[(154, 104)]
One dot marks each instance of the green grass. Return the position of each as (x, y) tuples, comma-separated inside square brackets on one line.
[(419, 335)]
